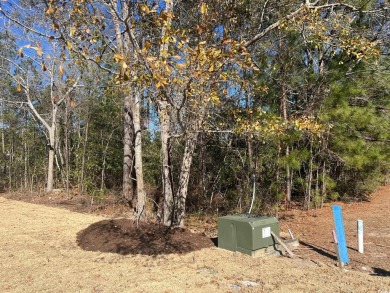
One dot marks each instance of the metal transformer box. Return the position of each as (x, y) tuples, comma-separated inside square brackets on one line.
[(247, 233)]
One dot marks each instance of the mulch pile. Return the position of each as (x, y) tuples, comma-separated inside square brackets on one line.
[(122, 236)]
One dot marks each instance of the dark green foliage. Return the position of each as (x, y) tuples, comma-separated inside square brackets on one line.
[(359, 139)]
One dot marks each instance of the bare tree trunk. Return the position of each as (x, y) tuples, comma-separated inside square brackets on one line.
[(2, 129), (317, 187), (165, 125), (3, 144), (323, 192), (251, 177), (128, 158), (25, 181), (26, 154), (103, 171), (138, 166), (52, 146), (50, 165), (132, 153), (11, 158), (51, 129), (284, 114), (128, 126), (310, 179), (202, 166), (252, 172), (165, 121), (67, 153), (182, 191), (288, 180), (147, 116), (82, 171), (195, 123), (277, 173)]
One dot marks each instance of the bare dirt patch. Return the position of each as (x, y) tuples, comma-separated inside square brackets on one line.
[(109, 205), (313, 229)]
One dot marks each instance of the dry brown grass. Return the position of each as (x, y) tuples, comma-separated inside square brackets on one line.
[(39, 254)]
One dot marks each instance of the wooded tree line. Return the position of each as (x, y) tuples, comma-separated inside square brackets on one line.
[(199, 106)]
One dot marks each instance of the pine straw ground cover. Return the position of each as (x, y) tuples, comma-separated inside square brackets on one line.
[(40, 252)]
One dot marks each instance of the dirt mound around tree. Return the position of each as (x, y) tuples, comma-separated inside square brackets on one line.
[(122, 236)]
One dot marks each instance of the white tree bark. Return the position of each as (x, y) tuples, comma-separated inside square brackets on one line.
[(164, 115), (165, 121), (182, 191), (141, 196), (128, 151), (50, 128)]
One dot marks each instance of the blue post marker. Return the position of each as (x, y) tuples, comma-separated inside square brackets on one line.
[(339, 227)]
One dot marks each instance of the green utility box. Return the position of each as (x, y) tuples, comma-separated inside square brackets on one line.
[(247, 233)]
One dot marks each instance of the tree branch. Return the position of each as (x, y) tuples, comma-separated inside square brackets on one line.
[(310, 6), (12, 102), (27, 27), (69, 91), (272, 27), (375, 139), (31, 106)]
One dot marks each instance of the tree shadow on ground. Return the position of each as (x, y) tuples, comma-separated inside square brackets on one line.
[(122, 236), (320, 250), (380, 272)]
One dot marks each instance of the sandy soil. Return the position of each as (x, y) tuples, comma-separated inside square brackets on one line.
[(39, 253), (313, 229)]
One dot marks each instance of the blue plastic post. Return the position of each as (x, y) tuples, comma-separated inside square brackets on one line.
[(339, 227)]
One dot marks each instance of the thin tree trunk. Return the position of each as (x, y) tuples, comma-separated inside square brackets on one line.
[(182, 191), (147, 116), (2, 129), (50, 166), (165, 121), (67, 153), (11, 156), (25, 150), (103, 173), (195, 124), (50, 170), (4, 171), (317, 187), (277, 173), (138, 166), (252, 172), (128, 188), (310, 179), (284, 114), (52, 146), (202, 166), (51, 132), (82, 171), (26, 157), (288, 181), (128, 183), (323, 192), (132, 151)]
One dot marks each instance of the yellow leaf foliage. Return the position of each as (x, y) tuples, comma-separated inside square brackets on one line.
[(203, 8)]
